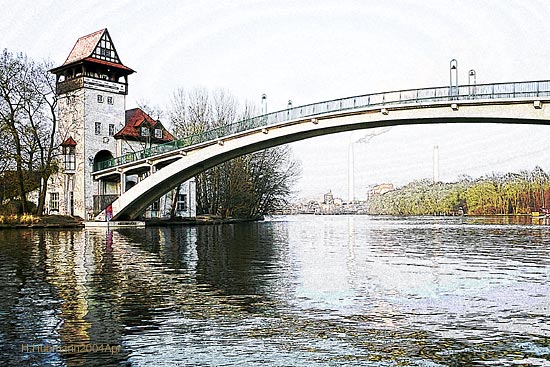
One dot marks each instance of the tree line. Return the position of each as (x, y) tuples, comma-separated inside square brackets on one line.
[(510, 193), (248, 186)]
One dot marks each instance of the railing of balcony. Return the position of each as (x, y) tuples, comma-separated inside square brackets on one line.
[(385, 99)]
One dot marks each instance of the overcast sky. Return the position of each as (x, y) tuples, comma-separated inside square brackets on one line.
[(310, 51)]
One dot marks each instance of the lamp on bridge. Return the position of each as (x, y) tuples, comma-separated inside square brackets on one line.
[(289, 107), (453, 78), (472, 82)]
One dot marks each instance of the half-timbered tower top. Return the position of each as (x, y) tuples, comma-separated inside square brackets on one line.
[(92, 59)]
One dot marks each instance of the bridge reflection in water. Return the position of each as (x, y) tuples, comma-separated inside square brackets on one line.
[(293, 291)]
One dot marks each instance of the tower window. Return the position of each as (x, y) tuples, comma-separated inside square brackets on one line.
[(110, 100), (111, 129), (54, 201), (158, 133), (70, 161), (98, 128), (99, 98), (144, 131)]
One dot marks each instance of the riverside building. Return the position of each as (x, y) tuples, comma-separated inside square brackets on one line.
[(94, 126)]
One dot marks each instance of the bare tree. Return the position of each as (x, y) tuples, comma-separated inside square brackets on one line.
[(248, 186), (28, 118), (155, 111), (13, 73), (41, 113)]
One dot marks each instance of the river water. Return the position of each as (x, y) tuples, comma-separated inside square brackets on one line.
[(289, 291)]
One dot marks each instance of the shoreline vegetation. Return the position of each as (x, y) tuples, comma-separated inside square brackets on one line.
[(496, 194)]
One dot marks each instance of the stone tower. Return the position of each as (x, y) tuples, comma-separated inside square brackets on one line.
[(91, 87)]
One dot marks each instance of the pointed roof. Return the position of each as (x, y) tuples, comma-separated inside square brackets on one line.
[(97, 48), (69, 142), (135, 118), (84, 46)]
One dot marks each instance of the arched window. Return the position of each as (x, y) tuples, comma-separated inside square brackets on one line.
[(102, 156)]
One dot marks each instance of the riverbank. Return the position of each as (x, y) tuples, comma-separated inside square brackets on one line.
[(61, 221), (47, 221)]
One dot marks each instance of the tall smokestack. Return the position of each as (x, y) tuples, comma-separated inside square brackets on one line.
[(436, 163)]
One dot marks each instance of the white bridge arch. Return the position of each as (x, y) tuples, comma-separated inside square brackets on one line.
[(511, 103)]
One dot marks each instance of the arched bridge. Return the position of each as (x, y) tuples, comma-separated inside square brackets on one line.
[(170, 164)]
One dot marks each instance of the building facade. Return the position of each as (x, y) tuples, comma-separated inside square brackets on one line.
[(94, 126)]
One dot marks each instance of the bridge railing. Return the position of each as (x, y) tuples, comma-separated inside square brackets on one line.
[(400, 97)]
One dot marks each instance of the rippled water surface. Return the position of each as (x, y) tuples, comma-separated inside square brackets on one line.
[(290, 291)]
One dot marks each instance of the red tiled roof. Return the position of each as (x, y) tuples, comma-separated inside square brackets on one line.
[(84, 47), (83, 50), (69, 142), (132, 129), (135, 117)]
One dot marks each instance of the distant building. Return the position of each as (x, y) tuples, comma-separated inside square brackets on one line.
[(328, 198)]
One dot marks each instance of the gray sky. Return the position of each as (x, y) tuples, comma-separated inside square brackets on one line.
[(310, 51)]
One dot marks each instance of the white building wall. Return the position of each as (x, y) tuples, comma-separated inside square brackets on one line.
[(105, 114), (129, 146), (78, 112), (164, 206), (63, 183)]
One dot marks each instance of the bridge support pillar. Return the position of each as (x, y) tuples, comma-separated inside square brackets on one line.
[(122, 183)]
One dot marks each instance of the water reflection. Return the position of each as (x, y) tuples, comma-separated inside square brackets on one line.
[(293, 291), (49, 300), (245, 259)]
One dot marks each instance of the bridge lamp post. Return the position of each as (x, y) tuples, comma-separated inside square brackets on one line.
[(264, 104), (289, 108), (472, 82), (453, 78)]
